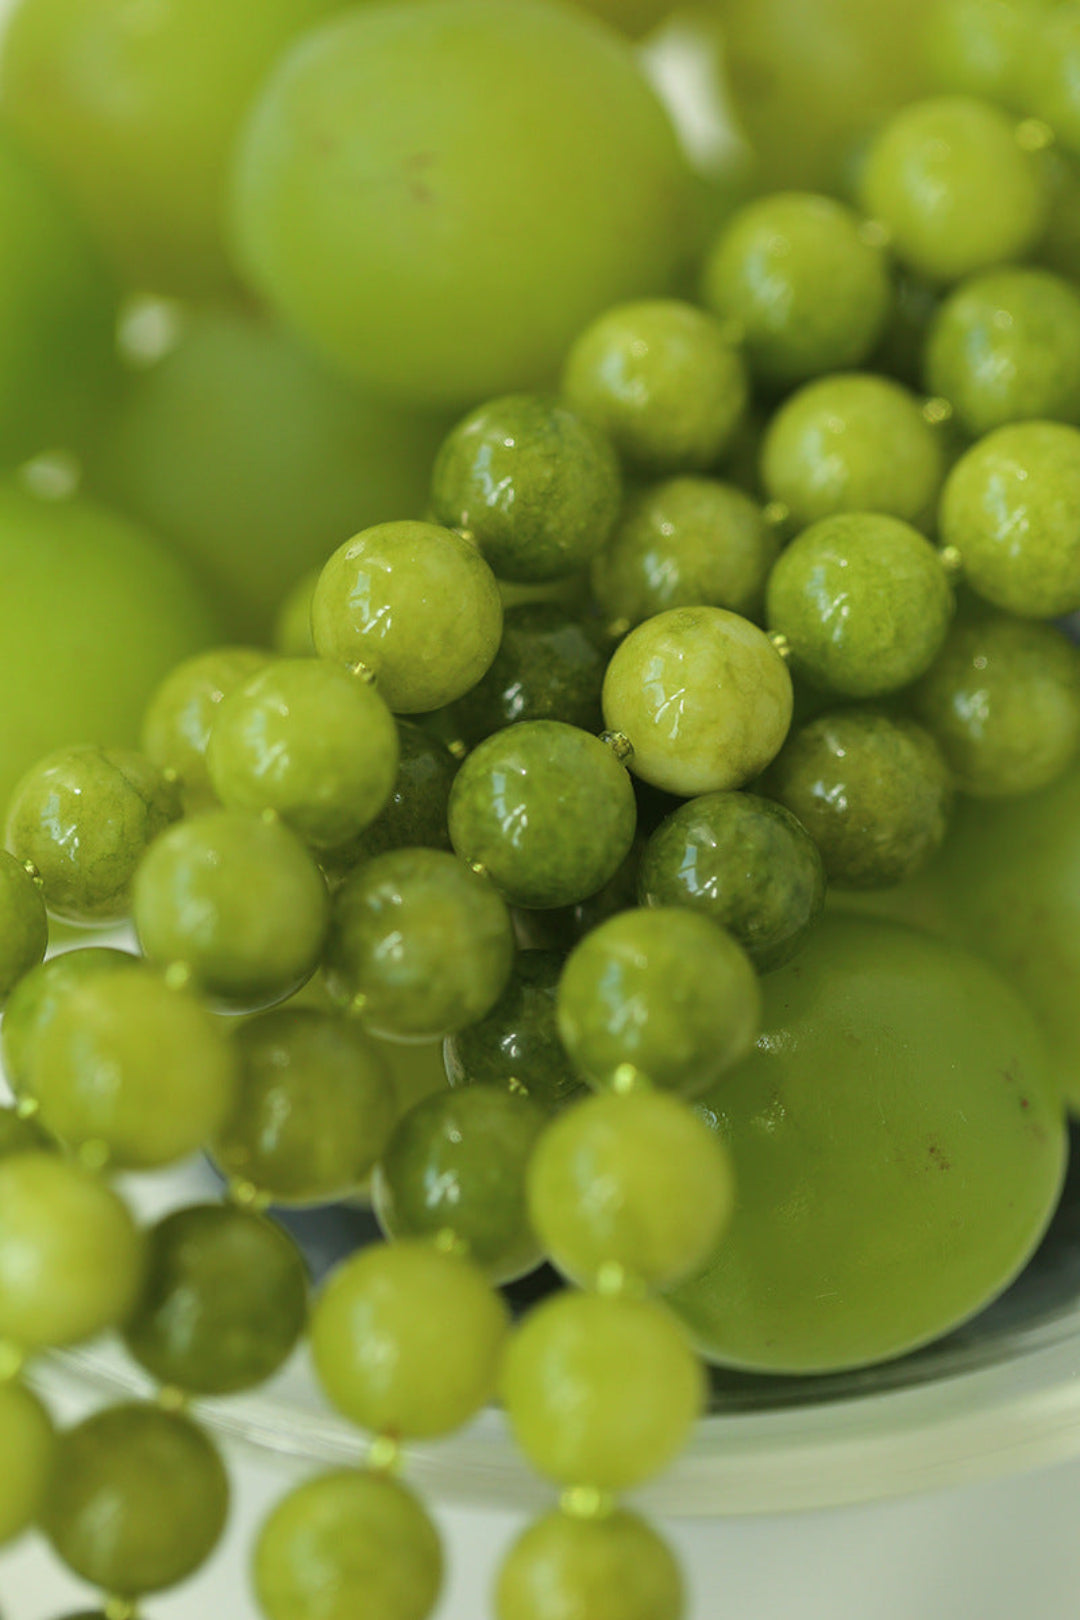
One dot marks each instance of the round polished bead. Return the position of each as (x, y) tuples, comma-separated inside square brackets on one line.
[(292, 623), (979, 47), (24, 925), (415, 813), (610, 1567), (549, 666), (27, 1445), (176, 725), (517, 1046), (1048, 72), (33, 1003)]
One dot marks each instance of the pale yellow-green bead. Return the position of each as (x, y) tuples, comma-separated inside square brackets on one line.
[(27, 1444)]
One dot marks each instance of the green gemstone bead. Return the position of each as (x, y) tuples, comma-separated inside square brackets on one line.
[(138, 1499), (663, 380), (546, 809), (27, 1445), (742, 861), (853, 443), (224, 1300), (1048, 68), (600, 1391), (872, 790), (407, 1340), (549, 666), (682, 543), (634, 1182), (84, 816), (314, 1107), (517, 1045), (614, 1567), (133, 1069), (703, 698), (955, 188), (178, 719), (24, 925), (70, 1254), (310, 741), (863, 601), (808, 287), (19, 1135), (534, 484), (979, 47), (345, 1545), (292, 636), (415, 604), (1003, 701), (213, 894), (33, 1003), (456, 1165), (415, 815), (419, 944), (1011, 507)]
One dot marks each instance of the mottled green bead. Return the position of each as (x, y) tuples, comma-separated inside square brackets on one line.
[(613, 1567), (414, 603), (742, 861), (238, 901), (873, 791), (807, 285), (1003, 701), (84, 816), (415, 815), (979, 47), (663, 380), (33, 1003), (456, 1165), (292, 636), (315, 1105), (549, 666), (534, 484), (27, 1445), (419, 945), (138, 1500), (1011, 507), (178, 718), (954, 186), (310, 741), (702, 696), (517, 1045), (1005, 347), (24, 924), (863, 601), (224, 1301), (682, 543), (1048, 72), (853, 443)]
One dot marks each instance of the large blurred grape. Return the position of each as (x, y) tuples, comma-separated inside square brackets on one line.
[(441, 193), (93, 612), (898, 1150), (134, 105), (256, 461)]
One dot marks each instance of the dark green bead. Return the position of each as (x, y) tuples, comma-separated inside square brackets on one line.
[(546, 809), (517, 1045), (24, 926), (32, 1005), (549, 666), (536, 486), (745, 862), (138, 1500), (415, 816), (224, 1300), (873, 791), (18, 1135), (456, 1164)]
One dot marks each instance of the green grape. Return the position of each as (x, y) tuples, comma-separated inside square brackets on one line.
[(456, 1165), (517, 1044), (1003, 701), (70, 1254), (211, 894), (314, 1108), (133, 1070), (805, 283), (661, 992), (703, 698), (546, 809), (663, 380), (415, 604), (904, 1085), (634, 1182), (549, 666), (419, 945), (534, 484), (1048, 71), (27, 1445), (853, 444), (979, 47), (136, 111), (346, 1544), (863, 601), (956, 189), (1011, 507), (873, 791), (415, 815), (681, 543), (614, 1567), (33, 1004), (224, 1300), (406, 281), (138, 1499), (24, 926), (179, 717), (99, 611), (290, 458), (84, 818), (19, 1134), (600, 1391), (292, 636), (407, 1340)]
